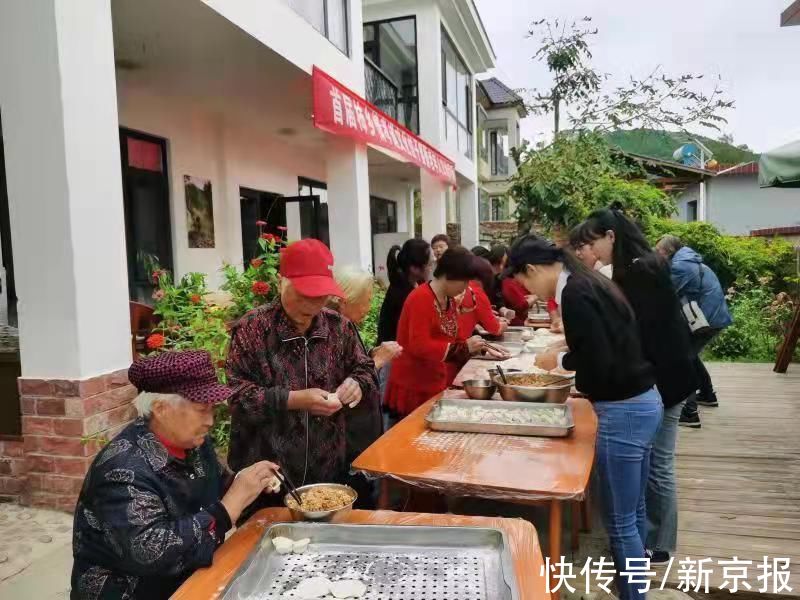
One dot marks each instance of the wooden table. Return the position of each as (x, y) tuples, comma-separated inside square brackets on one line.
[(524, 470), (523, 543)]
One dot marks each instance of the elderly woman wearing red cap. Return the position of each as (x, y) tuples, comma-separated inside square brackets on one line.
[(302, 379), (156, 503)]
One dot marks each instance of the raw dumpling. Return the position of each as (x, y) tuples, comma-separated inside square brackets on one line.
[(300, 546), (313, 587), (273, 485), (282, 544), (348, 588)]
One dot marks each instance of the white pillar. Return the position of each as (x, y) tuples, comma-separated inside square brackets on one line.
[(434, 205), (348, 203), (61, 133), (410, 214), (470, 219)]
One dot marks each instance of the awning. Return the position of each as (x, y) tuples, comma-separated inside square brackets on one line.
[(341, 111), (780, 167)]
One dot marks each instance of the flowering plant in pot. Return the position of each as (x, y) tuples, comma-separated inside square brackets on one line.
[(258, 283)]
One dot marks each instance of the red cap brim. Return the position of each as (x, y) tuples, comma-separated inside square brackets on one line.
[(314, 286)]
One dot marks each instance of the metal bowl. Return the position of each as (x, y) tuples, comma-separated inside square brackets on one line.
[(556, 394), (480, 389), (320, 515)]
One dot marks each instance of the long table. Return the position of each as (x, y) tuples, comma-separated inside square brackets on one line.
[(206, 584), (524, 470)]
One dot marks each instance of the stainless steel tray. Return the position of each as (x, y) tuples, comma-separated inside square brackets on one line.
[(435, 422), (395, 562)]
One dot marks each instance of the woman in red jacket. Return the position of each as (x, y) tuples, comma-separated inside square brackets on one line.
[(428, 333), (517, 299), (475, 308)]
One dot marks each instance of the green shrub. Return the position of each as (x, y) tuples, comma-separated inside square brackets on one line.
[(744, 261), (369, 328)]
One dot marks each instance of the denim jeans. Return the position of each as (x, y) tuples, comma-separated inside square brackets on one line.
[(626, 430), (662, 495), (383, 381)]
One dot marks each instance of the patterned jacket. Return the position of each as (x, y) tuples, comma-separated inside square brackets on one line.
[(267, 360), (145, 520)]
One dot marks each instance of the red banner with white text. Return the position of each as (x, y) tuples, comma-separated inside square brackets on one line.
[(340, 111)]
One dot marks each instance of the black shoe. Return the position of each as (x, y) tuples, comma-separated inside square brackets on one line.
[(657, 557), (710, 400), (690, 420)]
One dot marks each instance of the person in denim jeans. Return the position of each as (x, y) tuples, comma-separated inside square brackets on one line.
[(604, 350), (644, 278)]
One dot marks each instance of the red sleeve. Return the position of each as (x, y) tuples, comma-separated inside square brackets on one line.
[(417, 322), (514, 295), (484, 311), (552, 305)]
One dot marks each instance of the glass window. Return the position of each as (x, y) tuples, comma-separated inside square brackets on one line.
[(337, 24), (456, 97), (691, 210), (498, 151), (329, 17), (391, 79), (485, 208), (500, 209)]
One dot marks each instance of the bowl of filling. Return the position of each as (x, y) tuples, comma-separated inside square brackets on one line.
[(536, 387), (321, 501)]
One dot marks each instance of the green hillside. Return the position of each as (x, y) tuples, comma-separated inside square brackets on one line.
[(661, 144)]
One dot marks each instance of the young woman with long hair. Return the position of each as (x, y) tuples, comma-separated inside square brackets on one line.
[(605, 352), (407, 267), (644, 278)]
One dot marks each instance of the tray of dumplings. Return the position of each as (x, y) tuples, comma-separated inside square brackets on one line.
[(305, 560), (503, 418)]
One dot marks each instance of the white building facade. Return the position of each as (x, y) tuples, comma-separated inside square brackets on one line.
[(111, 109)]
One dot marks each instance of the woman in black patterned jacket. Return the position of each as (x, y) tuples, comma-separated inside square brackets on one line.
[(156, 503)]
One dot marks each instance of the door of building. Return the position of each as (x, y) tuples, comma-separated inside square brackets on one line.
[(145, 187), (313, 201), (8, 285), (259, 206)]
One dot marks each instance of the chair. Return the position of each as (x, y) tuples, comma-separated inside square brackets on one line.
[(142, 323)]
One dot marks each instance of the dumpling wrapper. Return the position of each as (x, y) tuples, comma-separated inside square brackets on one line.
[(300, 546), (274, 485), (313, 587), (283, 545), (348, 588)]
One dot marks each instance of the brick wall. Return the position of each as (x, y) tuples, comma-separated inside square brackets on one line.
[(64, 424), (12, 470), (498, 232)]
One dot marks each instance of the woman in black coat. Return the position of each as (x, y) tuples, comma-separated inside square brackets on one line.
[(645, 280)]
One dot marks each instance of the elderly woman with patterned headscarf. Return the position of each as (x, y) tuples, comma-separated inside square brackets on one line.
[(156, 502)]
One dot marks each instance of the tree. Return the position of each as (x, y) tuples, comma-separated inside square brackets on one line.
[(557, 187), (656, 101), (567, 55)]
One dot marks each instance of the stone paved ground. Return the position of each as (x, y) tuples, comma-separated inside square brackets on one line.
[(35, 553)]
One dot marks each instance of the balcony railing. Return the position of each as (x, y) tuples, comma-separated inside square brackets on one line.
[(380, 90)]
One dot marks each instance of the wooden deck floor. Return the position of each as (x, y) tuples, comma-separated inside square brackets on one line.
[(739, 475)]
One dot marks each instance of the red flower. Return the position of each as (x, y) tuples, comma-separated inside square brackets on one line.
[(155, 341), (281, 228), (256, 262), (220, 363), (195, 298), (157, 275), (270, 237), (261, 223), (260, 288)]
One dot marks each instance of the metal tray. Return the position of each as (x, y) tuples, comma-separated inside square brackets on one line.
[(395, 562), (434, 422)]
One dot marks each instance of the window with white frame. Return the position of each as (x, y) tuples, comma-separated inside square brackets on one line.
[(457, 104), (498, 151)]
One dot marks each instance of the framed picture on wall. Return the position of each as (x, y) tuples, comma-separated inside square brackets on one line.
[(199, 212)]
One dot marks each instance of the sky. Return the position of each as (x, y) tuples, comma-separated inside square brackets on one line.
[(739, 41)]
